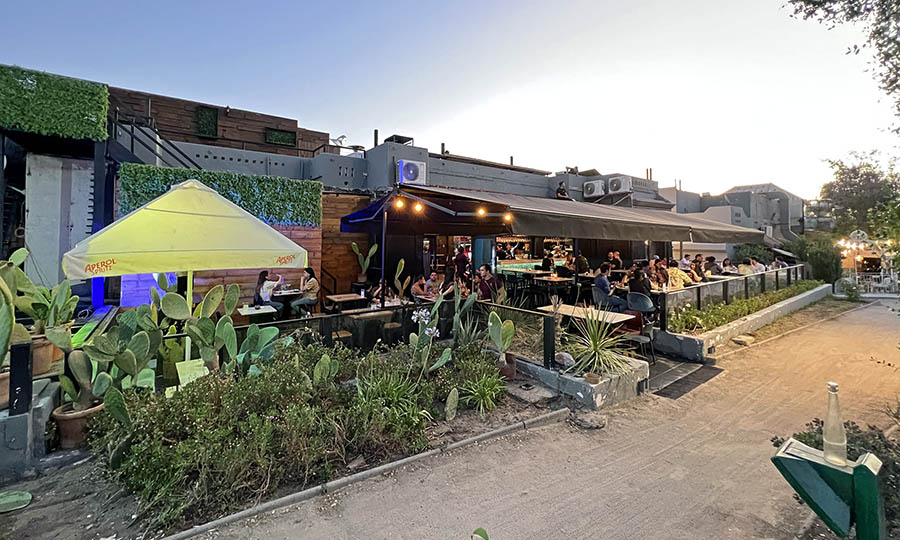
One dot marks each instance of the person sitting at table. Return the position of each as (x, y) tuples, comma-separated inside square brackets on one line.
[(547, 264), (463, 288), (570, 262), (678, 278), (566, 271), (310, 287), (581, 264), (602, 291), (617, 263), (640, 283), (745, 268), (262, 295), (694, 273), (684, 263), (488, 286), (434, 284), (661, 276), (711, 267), (757, 266), (728, 267), (418, 288)]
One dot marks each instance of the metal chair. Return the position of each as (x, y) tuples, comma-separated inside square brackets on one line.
[(640, 334), (641, 303)]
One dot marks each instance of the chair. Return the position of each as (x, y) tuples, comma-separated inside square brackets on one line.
[(640, 334), (641, 303)]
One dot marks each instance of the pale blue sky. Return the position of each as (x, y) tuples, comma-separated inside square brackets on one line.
[(712, 92)]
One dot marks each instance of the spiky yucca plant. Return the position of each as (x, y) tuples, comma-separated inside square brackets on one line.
[(596, 347)]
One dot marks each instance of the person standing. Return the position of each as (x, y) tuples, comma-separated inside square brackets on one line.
[(310, 287), (461, 261), (617, 263), (489, 287)]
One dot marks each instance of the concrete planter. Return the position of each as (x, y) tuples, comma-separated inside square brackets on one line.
[(611, 390), (696, 348)]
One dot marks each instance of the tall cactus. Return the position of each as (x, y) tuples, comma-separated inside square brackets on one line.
[(401, 285), (364, 261)]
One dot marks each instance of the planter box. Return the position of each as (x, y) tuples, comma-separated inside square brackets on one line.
[(610, 391), (696, 348)]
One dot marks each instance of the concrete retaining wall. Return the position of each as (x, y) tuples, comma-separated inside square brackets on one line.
[(697, 347), (610, 390)]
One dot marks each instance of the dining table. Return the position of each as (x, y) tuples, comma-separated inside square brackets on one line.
[(581, 312)]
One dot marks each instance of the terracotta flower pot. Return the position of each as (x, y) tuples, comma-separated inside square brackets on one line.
[(4, 390), (592, 378), (72, 424), (43, 354)]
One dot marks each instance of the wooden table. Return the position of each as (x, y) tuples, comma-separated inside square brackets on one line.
[(555, 279), (348, 298), (255, 313), (569, 310), (536, 272)]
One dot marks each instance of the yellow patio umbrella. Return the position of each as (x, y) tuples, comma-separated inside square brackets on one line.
[(189, 228)]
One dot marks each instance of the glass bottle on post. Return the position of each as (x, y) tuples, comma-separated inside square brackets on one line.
[(834, 438)]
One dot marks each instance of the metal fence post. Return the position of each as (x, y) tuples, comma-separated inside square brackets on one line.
[(762, 282), (663, 313), (20, 382), (746, 287), (725, 297), (699, 296), (327, 338), (549, 341), (789, 275), (777, 281)]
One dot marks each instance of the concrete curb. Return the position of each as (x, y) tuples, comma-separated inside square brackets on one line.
[(789, 332), (553, 416)]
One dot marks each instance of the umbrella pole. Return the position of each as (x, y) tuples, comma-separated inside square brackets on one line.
[(190, 300)]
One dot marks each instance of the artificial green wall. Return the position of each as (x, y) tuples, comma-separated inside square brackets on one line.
[(274, 199), (47, 104)]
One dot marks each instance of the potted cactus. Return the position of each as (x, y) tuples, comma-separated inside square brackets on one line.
[(363, 261), (53, 311), (502, 333), (114, 361)]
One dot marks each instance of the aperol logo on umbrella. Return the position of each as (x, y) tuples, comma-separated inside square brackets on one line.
[(99, 267), (285, 259)]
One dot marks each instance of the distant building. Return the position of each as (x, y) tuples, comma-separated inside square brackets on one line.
[(766, 207)]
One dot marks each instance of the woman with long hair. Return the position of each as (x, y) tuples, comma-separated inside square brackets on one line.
[(310, 287), (262, 294)]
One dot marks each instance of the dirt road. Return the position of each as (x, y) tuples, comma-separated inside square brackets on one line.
[(696, 467)]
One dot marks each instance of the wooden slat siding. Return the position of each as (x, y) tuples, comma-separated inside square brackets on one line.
[(176, 119), (308, 237), (337, 256)]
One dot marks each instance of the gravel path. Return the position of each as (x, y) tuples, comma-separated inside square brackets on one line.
[(696, 467)]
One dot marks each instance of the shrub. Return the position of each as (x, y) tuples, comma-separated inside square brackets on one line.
[(859, 441), (273, 199), (47, 104), (825, 259), (757, 251), (484, 392), (689, 318), (851, 288)]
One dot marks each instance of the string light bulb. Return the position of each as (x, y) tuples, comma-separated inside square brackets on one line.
[(418, 207), (482, 211), (399, 203), (507, 217)]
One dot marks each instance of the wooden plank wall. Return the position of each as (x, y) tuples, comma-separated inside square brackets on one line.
[(308, 237), (176, 119), (337, 258)]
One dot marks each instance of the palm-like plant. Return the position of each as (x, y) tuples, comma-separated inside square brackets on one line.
[(596, 347)]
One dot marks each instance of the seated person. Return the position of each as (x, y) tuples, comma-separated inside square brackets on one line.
[(581, 264), (262, 295), (695, 273), (564, 271), (711, 267), (310, 287), (547, 264), (602, 290), (728, 267), (746, 268), (677, 278), (418, 288), (640, 283), (433, 285)]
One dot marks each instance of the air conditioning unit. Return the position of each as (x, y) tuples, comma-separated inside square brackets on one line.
[(594, 188), (411, 172), (619, 184)]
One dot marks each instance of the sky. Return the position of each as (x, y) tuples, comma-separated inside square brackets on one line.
[(714, 93)]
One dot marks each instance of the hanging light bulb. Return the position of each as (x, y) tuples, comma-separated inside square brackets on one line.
[(482, 211), (507, 217), (399, 203), (418, 207)]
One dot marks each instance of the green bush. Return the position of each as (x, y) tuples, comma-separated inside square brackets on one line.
[(207, 121), (281, 137), (758, 251), (483, 392), (47, 104), (825, 259), (689, 318), (273, 199), (860, 441)]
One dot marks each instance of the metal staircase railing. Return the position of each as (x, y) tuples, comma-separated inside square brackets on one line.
[(139, 132)]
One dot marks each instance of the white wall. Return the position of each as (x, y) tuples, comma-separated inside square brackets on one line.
[(58, 212)]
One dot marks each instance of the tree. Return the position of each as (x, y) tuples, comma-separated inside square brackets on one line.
[(881, 22), (859, 186)]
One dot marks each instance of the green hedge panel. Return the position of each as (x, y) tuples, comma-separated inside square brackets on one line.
[(273, 199), (47, 104)]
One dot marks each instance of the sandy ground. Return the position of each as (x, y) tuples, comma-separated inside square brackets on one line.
[(696, 467)]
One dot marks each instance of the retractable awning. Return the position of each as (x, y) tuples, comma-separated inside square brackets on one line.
[(539, 216)]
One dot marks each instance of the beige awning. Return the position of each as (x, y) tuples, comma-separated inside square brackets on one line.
[(540, 216)]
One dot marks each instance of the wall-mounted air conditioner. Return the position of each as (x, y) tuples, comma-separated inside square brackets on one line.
[(594, 188), (619, 184), (411, 172)]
